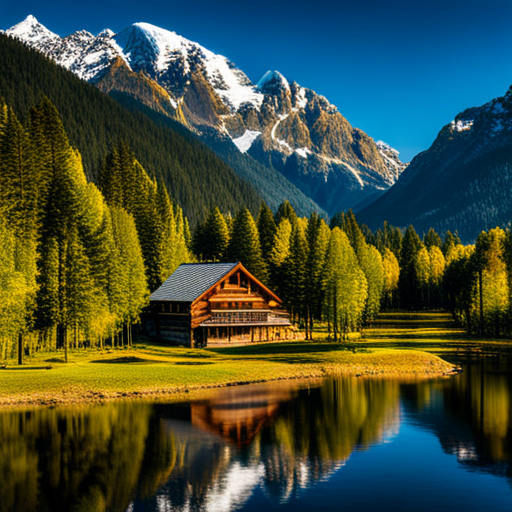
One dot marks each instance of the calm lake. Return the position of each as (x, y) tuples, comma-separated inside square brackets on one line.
[(342, 444)]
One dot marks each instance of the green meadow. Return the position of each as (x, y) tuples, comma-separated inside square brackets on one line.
[(397, 344)]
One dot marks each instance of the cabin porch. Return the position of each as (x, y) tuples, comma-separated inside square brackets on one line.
[(226, 335)]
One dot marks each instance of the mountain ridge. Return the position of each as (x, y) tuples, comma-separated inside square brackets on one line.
[(462, 182), (280, 124)]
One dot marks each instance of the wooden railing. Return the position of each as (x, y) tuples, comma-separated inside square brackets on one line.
[(247, 316)]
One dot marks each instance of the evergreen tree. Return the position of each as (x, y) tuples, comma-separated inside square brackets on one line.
[(244, 245), (60, 167), (459, 286), (267, 229), (286, 211), (132, 294), (295, 272), (408, 285), (371, 265), (278, 255), (15, 294), (437, 268), (212, 237), (317, 235), (19, 180), (450, 241), (432, 239)]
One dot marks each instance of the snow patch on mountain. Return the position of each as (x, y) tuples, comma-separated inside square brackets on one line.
[(244, 142), (303, 152), (302, 101), (461, 125)]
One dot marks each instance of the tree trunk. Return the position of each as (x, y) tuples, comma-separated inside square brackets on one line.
[(480, 282), (65, 333), (20, 348)]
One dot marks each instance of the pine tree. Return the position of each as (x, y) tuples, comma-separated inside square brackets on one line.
[(437, 268), (408, 286), (267, 229), (286, 211), (371, 265), (432, 239), (244, 245), (459, 288), (317, 235), (212, 238), (295, 272), (19, 182), (278, 255), (15, 294)]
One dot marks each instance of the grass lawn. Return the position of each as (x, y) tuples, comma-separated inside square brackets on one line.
[(397, 344)]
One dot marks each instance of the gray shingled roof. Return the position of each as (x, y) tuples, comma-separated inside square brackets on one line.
[(191, 280)]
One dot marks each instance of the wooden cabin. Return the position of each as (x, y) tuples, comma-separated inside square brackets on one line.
[(216, 303)]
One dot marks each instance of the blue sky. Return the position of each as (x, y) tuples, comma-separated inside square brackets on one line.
[(398, 70)]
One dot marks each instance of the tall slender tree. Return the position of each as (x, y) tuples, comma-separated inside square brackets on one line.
[(244, 245)]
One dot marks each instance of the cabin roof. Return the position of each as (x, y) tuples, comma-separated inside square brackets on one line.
[(190, 280)]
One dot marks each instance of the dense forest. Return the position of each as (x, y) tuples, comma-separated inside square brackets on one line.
[(78, 261)]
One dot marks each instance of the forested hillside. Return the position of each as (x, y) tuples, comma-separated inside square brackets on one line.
[(77, 261), (195, 177), (271, 184)]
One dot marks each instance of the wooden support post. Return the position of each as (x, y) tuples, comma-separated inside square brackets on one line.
[(229, 334), (252, 334), (267, 334)]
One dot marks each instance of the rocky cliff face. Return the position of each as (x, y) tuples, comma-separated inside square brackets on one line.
[(282, 125)]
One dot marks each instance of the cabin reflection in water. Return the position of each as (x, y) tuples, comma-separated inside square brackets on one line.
[(275, 438), (238, 414)]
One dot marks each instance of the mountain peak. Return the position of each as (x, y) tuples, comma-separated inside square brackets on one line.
[(31, 30), (272, 79)]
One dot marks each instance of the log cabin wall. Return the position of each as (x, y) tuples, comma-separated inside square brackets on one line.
[(234, 307), (172, 322)]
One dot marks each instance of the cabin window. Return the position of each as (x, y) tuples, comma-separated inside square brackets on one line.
[(233, 280)]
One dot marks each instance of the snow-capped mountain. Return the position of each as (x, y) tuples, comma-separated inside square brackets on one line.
[(462, 182), (281, 124)]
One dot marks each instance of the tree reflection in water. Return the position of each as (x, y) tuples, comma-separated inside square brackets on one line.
[(213, 455)]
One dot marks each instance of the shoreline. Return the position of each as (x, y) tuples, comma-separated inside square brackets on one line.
[(399, 345), (398, 364)]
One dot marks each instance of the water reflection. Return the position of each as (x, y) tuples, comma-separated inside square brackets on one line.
[(268, 440), (471, 415)]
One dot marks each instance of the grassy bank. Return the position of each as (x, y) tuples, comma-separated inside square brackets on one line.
[(394, 346)]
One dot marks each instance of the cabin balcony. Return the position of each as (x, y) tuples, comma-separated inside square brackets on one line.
[(261, 317)]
